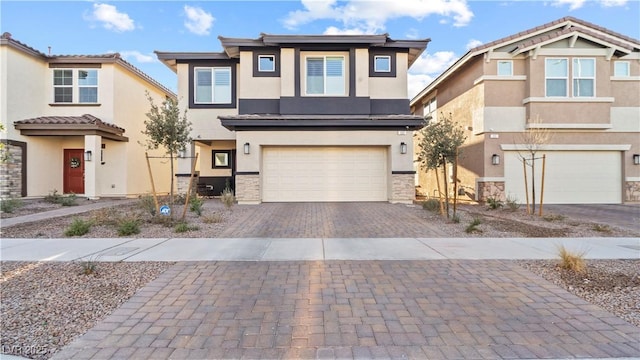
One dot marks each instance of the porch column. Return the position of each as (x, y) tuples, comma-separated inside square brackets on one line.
[(183, 168), (91, 188)]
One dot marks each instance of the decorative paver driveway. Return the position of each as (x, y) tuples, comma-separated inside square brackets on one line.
[(439, 309), (330, 220)]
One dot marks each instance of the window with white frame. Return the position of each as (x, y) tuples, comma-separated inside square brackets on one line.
[(382, 63), (621, 68), (556, 77), (584, 77), (505, 68), (70, 84), (430, 106), (266, 63), (212, 85), (325, 75)]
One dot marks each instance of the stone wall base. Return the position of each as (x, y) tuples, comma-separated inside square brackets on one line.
[(403, 189), (488, 189), (11, 171), (632, 191), (248, 189)]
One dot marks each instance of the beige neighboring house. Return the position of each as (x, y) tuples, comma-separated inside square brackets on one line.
[(293, 118), (73, 122), (575, 80)]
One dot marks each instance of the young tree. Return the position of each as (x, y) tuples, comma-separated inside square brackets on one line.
[(438, 146), (533, 139), (168, 129)]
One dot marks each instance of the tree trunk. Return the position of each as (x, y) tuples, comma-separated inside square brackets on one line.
[(533, 183), (446, 188), (171, 190)]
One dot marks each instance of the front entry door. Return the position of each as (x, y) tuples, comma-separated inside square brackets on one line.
[(73, 171)]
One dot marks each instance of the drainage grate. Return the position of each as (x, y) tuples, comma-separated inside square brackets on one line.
[(119, 251)]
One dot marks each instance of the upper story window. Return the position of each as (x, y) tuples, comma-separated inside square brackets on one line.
[(70, 84), (584, 77), (556, 77), (325, 75), (212, 85), (430, 106), (621, 68), (266, 63), (505, 68), (382, 63)]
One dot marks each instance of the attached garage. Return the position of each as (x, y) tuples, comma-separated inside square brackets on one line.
[(324, 174), (571, 177)]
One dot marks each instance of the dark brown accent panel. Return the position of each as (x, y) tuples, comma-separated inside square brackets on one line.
[(403, 172), (382, 52), (320, 105), (248, 173), (266, 51), (258, 106)]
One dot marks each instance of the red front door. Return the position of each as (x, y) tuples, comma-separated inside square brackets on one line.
[(73, 171)]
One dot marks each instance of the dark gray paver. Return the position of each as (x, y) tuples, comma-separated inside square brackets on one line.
[(331, 220), (360, 309)]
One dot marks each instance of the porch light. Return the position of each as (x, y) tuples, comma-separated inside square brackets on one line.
[(87, 155), (403, 148), (246, 148), (636, 159), (495, 159)]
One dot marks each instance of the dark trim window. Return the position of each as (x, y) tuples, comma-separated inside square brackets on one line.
[(382, 63), (212, 85), (220, 159), (266, 63), (325, 75)]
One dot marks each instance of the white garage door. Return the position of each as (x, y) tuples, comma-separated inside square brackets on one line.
[(324, 174), (571, 177)]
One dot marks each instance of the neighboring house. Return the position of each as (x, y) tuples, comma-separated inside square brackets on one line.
[(286, 118), (73, 122), (575, 80)]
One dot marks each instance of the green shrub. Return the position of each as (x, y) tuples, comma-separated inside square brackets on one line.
[(78, 227), (10, 205), (494, 203), (148, 204), (129, 227), (195, 205), (601, 228), (53, 197), (432, 205), (473, 226), (573, 261), (69, 200), (227, 197), (512, 203), (552, 217), (184, 227)]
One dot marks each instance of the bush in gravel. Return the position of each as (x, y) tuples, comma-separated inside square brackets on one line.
[(494, 203), (148, 204), (512, 203), (55, 198), (195, 205), (69, 200), (184, 227), (106, 217), (10, 205), (601, 228), (570, 260), (473, 226), (89, 266), (214, 218), (128, 227), (78, 227), (432, 205), (227, 198), (553, 217), (455, 218)]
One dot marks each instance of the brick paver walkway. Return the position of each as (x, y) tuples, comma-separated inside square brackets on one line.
[(355, 309), (331, 220)]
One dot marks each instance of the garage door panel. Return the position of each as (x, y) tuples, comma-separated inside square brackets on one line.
[(324, 174), (571, 177)]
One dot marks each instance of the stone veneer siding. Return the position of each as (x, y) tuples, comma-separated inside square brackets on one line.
[(248, 188), (402, 188), (182, 183), (491, 189), (11, 171), (632, 192)]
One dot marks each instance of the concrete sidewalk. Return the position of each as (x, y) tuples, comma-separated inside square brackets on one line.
[(265, 249)]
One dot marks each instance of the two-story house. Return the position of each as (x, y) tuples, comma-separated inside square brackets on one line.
[(574, 82), (286, 118), (73, 124)]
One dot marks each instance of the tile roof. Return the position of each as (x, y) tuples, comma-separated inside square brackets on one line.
[(575, 29), (86, 119)]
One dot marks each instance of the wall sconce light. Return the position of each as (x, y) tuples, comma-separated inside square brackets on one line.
[(403, 148), (495, 159), (87, 155), (102, 147), (636, 159), (247, 148), (181, 153)]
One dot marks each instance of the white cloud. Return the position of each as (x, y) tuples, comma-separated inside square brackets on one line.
[(576, 4), (371, 16), (416, 83), (198, 21), (110, 18), (138, 56), (332, 30), (426, 68), (473, 43)]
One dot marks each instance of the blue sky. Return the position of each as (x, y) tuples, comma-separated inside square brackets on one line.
[(136, 28)]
